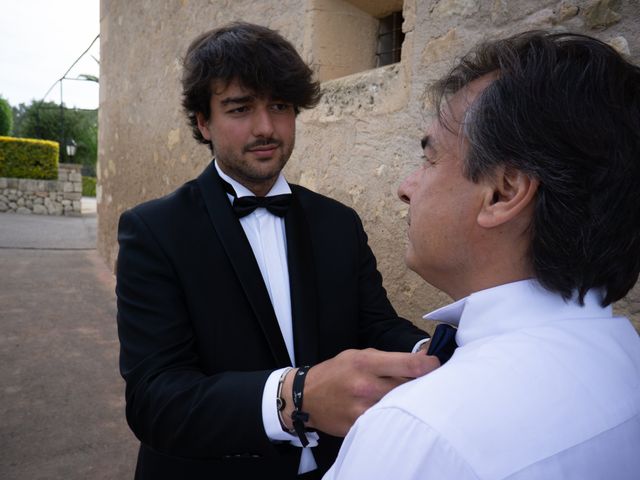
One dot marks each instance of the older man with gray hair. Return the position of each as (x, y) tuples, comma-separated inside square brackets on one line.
[(525, 211)]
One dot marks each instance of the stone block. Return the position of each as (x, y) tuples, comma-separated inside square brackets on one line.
[(440, 48), (621, 45), (455, 8), (55, 209), (66, 203), (3, 182), (77, 205), (3, 198), (23, 210), (67, 187), (72, 195), (39, 210), (77, 187), (38, 200), (75, 177), (566, 11), (63, 176), (3, 207), (70, 212), (20, 202), (74, 167), (600, 14)]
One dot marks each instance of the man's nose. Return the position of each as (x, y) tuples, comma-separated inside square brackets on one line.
[(406, 187), (262, 123)]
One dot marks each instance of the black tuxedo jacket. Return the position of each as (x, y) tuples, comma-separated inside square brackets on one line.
[(199, 336)]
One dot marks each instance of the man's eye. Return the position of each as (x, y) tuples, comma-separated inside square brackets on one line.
[(281, 107), (242, 109)]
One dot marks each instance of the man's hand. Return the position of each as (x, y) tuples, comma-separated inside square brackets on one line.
[(337, 391)]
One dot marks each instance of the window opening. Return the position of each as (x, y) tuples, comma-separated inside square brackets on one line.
[(390, 38)]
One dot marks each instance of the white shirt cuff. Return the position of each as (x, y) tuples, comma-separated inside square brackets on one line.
[(270, 418), (273, 428), (418, 345)]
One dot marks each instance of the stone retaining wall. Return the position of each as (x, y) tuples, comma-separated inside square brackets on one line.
[(44, 197)]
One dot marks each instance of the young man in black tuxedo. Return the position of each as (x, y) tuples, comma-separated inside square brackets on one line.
[(231, 286)]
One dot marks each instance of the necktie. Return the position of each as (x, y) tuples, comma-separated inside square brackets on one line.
[(443, 342), (276, 204)]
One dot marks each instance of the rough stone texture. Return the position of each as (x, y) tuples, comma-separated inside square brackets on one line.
[(602, 13), (24, 195), (621, 45), (356, 146)]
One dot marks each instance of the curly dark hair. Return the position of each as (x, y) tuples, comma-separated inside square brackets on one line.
[(258, 57), (564, 109)]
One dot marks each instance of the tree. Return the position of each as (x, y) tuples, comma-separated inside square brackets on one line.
[(18, 117), (44, 120), (6, 117)]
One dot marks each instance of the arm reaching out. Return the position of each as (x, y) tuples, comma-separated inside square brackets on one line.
[(337, 391)]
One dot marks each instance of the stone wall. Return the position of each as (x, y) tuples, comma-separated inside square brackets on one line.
[(44, 197), (363, 138)]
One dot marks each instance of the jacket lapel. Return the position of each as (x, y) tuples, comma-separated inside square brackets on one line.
[(238, 249), (302, 281)]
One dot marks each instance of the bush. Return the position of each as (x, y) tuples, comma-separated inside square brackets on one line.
[(88, 186), (6, 117), (28, 158)]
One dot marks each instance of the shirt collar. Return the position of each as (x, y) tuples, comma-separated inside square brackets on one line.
[(513, 306), (280, 187)]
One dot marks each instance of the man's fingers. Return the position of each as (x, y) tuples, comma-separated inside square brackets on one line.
[(398, 364)]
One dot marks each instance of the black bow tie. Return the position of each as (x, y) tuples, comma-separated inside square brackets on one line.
[(276, 204), (443, 342)]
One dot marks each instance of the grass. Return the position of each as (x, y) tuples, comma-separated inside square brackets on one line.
[(88, 186)]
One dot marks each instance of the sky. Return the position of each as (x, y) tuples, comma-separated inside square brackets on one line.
[(39, 41)]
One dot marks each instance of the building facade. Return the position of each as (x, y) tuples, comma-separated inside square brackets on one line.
[(375, 59)]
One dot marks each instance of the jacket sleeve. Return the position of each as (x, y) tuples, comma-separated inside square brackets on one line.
[(171, 405), (379, 324)]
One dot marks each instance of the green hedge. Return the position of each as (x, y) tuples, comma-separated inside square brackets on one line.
[(28, 158), (88, 186)]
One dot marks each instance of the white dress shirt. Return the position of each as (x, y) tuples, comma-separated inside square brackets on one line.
[(539, 388), (268, 240)]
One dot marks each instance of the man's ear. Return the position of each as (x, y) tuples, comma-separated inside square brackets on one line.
[(203, 125), (508, 194)]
